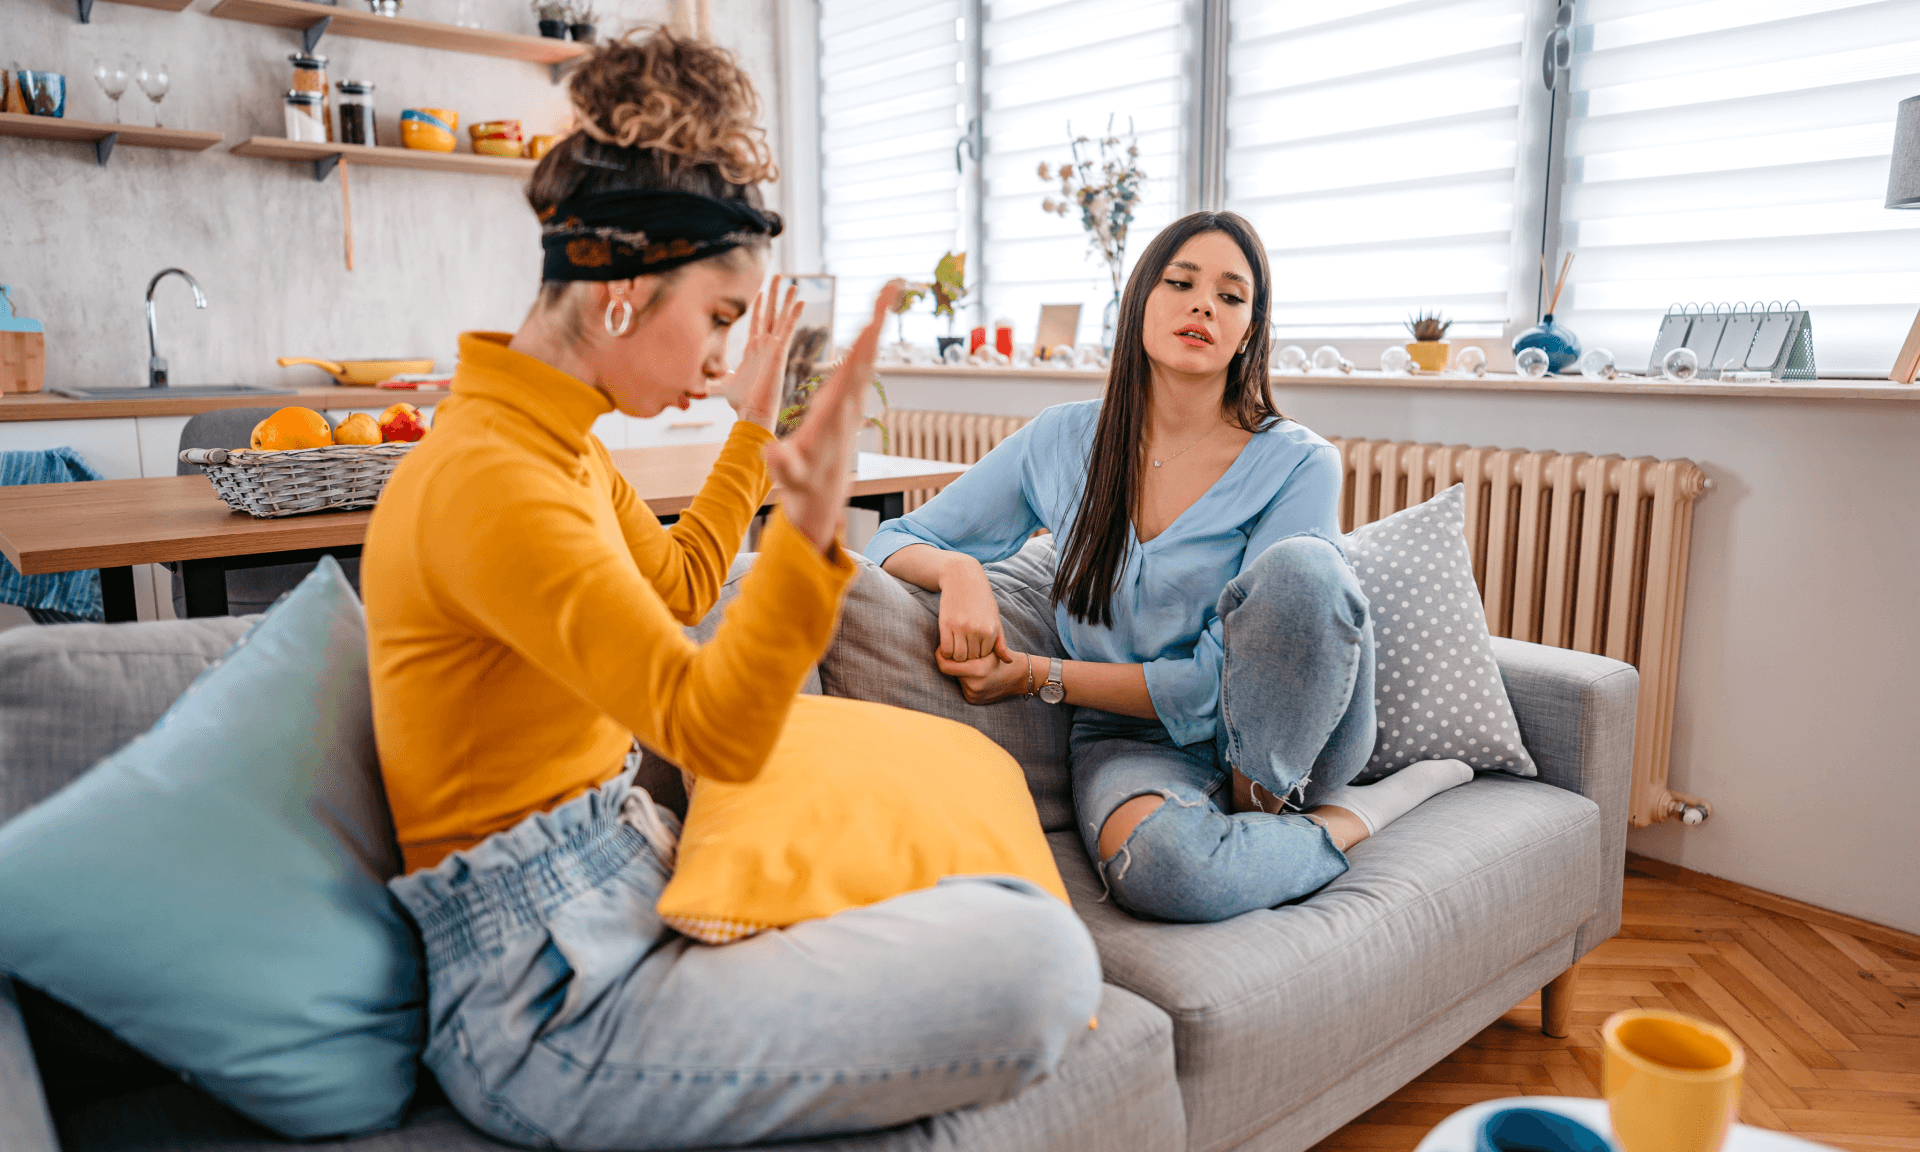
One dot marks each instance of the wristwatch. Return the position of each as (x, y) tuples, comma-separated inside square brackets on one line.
[(1054, 690)]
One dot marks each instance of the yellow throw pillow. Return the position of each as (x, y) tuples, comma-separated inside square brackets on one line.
[(859, 802)]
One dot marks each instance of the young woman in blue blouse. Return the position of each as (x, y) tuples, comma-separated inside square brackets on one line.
[(1222, 655)]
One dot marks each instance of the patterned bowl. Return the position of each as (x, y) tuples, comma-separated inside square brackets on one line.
[(428, 129)]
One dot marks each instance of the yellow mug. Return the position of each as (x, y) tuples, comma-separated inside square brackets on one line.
[(1671, 1082)]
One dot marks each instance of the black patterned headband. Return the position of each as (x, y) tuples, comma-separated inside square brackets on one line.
[(620, 235)]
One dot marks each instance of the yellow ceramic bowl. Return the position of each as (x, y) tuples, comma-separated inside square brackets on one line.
[(494, 128), (498, 146), (1429, 354), (428, 129), (538, 146)]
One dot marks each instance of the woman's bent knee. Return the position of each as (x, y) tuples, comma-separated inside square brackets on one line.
[(1033, 978)]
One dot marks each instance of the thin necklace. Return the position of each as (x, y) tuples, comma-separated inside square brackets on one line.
[(1195, 444)]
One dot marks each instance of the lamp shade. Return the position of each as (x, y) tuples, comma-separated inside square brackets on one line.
[(1903, 180)]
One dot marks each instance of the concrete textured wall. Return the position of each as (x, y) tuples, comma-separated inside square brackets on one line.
[(435, 253)]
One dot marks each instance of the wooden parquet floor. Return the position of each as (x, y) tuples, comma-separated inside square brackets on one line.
[(1830, 1023)]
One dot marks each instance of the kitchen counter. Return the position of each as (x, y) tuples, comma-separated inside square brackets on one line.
[(46, 406)]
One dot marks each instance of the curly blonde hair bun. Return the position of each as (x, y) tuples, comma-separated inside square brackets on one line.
[(684, 98)]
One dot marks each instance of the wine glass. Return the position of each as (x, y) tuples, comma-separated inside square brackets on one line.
[(111, 75), (153, 81)]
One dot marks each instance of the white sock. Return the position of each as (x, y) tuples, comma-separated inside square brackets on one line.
[(1384, 801)]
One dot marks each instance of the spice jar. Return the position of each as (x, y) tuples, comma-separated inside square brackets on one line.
[(356, 112), (310, 75), (303, 118)]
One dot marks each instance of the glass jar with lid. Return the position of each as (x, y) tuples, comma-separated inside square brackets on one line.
[(356, 113), (303, 118), (310, 75)]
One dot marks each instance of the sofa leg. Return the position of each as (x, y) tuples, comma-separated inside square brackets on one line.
[(1556, 1003)]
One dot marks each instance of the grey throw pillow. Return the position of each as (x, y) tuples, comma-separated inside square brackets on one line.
[(884, 653), (1437, 687)]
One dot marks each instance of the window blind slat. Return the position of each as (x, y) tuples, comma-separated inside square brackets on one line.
[(1726, 152), (1048, 66), (889, 101)]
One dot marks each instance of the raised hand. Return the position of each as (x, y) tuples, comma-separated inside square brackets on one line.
[(754, 386), (810, 466)]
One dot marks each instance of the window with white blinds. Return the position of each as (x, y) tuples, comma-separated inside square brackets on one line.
[(891, 108), (1054, 69), (1373, 144), (1737, 150)]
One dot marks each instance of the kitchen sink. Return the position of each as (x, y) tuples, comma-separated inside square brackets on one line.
[(170, 392)]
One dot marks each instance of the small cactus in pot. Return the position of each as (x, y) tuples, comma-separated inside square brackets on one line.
[(1429, 348)]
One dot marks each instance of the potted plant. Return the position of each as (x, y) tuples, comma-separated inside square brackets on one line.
[(911, 293), (796, 410), (1429, 347), (949, 289), (552, 15), (582, 21)]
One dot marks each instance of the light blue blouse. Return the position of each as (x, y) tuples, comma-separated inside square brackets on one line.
[(1285, 481)]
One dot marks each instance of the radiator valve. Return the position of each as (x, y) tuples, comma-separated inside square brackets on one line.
[(1688, 809)]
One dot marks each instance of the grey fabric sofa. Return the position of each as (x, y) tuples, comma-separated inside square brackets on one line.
[(1267, 1031)]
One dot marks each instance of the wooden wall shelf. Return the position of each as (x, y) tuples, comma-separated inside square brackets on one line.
[(104, 137), (315, 20), (86, 6), (324, 156)]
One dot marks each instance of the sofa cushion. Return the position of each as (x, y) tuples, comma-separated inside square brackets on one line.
[(1114, 1092), (884, 653), (70, 694), (858, 803), (214, 892), (1272, 1007), (1437, 690)]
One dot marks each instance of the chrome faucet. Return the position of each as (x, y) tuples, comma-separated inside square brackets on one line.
[(156, 367)]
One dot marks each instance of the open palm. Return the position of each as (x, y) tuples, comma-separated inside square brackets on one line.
[(753, 387)]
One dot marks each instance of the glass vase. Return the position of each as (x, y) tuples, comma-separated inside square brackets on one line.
[(1109, 322)]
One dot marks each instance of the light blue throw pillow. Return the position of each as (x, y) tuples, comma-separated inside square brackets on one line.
[(214, 892)]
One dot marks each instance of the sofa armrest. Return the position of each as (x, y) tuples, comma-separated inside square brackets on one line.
[(1576, 713), (25, 1125)]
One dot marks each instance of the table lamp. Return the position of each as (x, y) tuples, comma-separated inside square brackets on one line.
[(1903, 191)]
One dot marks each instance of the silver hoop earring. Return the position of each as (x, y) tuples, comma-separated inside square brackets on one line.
[(626, 318)]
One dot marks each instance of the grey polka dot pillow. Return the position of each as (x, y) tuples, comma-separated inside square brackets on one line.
[(1437, 689)]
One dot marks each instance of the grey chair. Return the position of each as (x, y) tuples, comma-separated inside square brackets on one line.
[(249, 590)]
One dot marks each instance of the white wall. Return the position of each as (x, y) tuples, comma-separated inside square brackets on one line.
[(436, 254), (1798, 708)]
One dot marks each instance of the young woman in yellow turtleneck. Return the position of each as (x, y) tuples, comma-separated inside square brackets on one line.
[(525, 614)]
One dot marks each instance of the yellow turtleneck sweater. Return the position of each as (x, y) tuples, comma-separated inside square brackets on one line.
[(524, 611)]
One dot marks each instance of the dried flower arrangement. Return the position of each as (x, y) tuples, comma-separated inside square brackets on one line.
[(1105, 185)]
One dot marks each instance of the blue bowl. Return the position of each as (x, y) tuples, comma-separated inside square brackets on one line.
[(1536, 1130), (44, 92), (1556, 340)]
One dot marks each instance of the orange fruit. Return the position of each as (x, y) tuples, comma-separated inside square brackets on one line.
[(291, 428), (358, 428)]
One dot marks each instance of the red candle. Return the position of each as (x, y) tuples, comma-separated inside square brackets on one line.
[(1003, 339), (975, 339)]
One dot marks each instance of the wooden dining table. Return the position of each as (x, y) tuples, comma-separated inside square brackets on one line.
[(114, 524)]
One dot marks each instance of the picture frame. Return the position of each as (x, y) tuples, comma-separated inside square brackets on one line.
[(813, 334), (1059, 324)]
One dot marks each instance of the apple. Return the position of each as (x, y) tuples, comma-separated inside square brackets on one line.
[(402, 422), (357, 428)]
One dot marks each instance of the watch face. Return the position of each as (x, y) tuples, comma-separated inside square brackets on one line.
[(1053, 693)]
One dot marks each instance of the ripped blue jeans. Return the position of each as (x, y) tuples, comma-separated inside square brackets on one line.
[(1296, 718)]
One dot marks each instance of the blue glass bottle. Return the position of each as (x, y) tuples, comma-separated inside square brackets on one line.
[(1556, 340)]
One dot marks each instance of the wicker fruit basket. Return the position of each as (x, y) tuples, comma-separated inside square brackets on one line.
[(268, 484)]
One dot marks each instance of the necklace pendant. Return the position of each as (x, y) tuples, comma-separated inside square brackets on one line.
[(1156, 463)]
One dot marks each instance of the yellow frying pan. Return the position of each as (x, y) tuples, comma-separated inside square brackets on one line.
[(362, 371)]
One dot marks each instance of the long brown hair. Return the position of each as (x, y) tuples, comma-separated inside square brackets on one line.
[(1096, 549)]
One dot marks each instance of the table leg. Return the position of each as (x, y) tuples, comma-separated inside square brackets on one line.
[(205, 584), (116, 594), (890, 505)]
